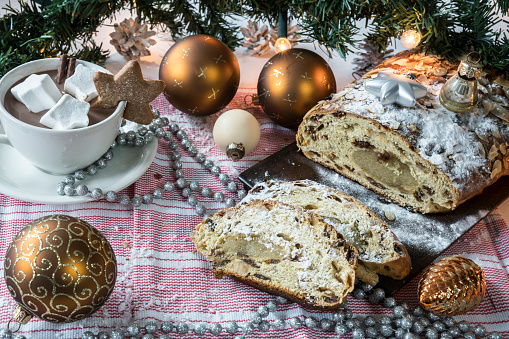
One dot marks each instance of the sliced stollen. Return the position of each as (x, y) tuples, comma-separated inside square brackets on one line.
[(280, 249), (378, 247)]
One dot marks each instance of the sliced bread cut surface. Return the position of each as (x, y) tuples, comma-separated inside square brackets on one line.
[(378, 247), (280, 249)]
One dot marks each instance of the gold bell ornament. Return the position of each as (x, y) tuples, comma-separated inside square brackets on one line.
[(236, 133), (459, 94)]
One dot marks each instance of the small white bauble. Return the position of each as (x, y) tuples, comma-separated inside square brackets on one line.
[(236, 133)]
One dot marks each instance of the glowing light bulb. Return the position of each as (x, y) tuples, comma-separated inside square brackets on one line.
[(410, 38), (282, 44)]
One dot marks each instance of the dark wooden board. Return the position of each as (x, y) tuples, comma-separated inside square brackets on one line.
[(425, 236)]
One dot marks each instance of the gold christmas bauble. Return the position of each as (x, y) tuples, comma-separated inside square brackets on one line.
[(60, 269), (453, 285), (291, 83), (201, 75)]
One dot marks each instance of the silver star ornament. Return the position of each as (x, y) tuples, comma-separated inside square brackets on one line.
[(395, 88)]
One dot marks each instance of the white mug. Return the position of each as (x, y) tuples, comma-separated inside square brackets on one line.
[(56, 151)]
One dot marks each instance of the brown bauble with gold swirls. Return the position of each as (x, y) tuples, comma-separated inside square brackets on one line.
[(451, 286), (201, 75), (60, 269), (291, 83)]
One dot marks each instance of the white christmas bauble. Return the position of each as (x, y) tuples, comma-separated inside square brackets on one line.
[(236, 133)]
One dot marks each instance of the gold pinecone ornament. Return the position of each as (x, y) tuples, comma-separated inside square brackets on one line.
[(454, 285), (132, 39)]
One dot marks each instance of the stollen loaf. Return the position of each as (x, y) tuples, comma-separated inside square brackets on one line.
[(425, 157), (280, 249), (379, 249)]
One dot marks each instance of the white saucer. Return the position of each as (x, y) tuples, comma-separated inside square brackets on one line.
[(22, 180)]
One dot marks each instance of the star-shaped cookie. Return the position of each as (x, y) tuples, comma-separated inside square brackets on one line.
[(395, 88), (128, 85)]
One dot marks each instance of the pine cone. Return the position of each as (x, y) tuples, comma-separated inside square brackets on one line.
[(369, 59), (255, 40), (451, 286), (131, 39)]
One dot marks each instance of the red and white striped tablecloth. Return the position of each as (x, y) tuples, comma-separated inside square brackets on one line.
[(161, 277)]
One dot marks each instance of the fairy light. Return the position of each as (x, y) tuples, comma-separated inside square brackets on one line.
[(410, 38), (282, 44)]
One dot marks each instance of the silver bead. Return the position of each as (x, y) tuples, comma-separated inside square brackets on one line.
[(340, 329), (448, 322), (386, 330), (82, 190), (148, 199), (479, 330), (130, 143), (179, 174), (358, 333), (433, 317), (206, 192), (142, 130), (216, 170), (181, 183), (406, 322), (167, 136), (69, 190), (80, 174), (69, 180), (389, 302), (200, 157), (113, 144), (152, 127), (182, 328), (231, 327), (263, 311), (468, 335), (166, 327), (371, 332), (86, 335), (148, 336), (294, 322), (385, 320), (278, 324), (311, 322), (348, 313), (173, 145), (326, 324), (431, 333), (181, 135), (194, 185), (177, 164), (352, 323), (369, 321), (256, 318), (92, 169), (158, 193), (200, 209), (130, 135), (464, 326), (185, 143), (409, 335), (223, 178), (241, 194), (264, 326), (425, 322), (108, 155), (230, 202), (339, 316), (165, 121), (359, 293), (121, 139), (174, 128), (417, 327), (247, 327), (137, 200), (149, 137), (439, 326), (124, 199), (101, 163), (186, 192), (192, 200), (376, 296), (399, 312), (110, 196), (160, 132), (494, 335), (272, 306), (192, 151), (455, 332), (215, 328), (133, 330), (139, 142), (169, 186), (219, 196), (208, 163), (200, 329), (232, 187), (103, 335), (399, 333), (117, 334), (418, 311), (61, 188)]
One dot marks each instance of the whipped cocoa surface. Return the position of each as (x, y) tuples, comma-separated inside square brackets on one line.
[(21, 112)]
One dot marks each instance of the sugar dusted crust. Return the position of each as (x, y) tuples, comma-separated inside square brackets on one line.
[(379, 249), (280, 249), (424, 157)]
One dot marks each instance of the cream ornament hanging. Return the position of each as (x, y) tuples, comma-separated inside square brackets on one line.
[(236, 133)]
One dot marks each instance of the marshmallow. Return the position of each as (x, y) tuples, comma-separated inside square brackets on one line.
[(68, 113), (81, 84), (38, 92)]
